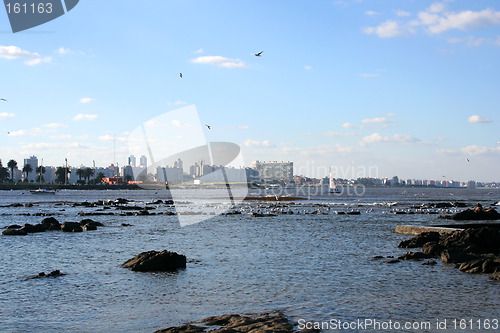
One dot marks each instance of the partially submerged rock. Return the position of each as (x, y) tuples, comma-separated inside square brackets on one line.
[(473, 250), (275, 322), (478, 213), (154, 261)]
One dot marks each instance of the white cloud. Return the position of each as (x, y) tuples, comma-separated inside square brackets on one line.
[(260, 144), (55, 125), (475, 119), (348, 125), (84, 116), (18, 133), (180, 124), (371, 13), (219, 61), (437, 19), (469, 41), (446, 151), (395, 139), (402, 13), (387, 29), (37, 61), (86, 100), (307, 67), (378, 120), (465, 20), (200, 50), (111, 138), (369, 74), (63, 50), (436, 7), (6, 115), (390, 114), (479, 150), (45, 145)]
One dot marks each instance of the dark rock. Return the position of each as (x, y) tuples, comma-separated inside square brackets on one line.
[(496, 275), (456, 256), (413, 256), (475, 266), (13, 226), (54, 273), (14, 232), (420, 240), (71, 227), (89, 227), (491, 265), (430, 262), (30, 228), (236, 323), (51, 223), (126, 225), (391, 261), (478, 213), (154, 261), (92, 223), (432, 249)]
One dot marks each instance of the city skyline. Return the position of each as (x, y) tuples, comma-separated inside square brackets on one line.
[(409, 88)]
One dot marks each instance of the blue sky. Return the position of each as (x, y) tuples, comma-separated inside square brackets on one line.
[(407, 88)]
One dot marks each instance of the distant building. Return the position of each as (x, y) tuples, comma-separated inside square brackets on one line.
[(169, 175), (274, 171), (33, 161), (143, 162), (132, 160), (50, 174)]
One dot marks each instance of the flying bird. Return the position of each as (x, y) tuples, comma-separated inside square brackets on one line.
[(3, 100), (180, 74), (208, 126), (467, 160), (257, 54)]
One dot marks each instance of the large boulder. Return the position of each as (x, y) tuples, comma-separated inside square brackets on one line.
[(478, 213), (14, 232), (154, 261), (71, 227), (51, 223), (420, 240), (30, 228)]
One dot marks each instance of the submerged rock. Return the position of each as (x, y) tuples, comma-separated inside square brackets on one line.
[(14, 232), (472, 250), (478, 213), (71, 227), (154, 261), (238, 323)]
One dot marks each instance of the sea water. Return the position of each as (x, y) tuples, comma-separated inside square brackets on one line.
[(316, 268)]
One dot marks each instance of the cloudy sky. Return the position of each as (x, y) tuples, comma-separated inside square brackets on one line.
[(371, 88)]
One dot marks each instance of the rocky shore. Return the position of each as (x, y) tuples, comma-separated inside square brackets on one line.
[(471, 250), (256, 323)]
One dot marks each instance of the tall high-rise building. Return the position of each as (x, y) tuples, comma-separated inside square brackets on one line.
[(132, 160), (33, 162), (143, 161)]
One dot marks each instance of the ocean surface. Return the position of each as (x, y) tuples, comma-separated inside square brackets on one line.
[(315, 267)]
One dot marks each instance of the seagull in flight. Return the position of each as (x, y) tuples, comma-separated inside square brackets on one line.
[(180, 74), (208, 126), (3, 100), (257, 54), (467, 160)]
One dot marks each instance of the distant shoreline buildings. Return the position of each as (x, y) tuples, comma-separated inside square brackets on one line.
[(259, 172)]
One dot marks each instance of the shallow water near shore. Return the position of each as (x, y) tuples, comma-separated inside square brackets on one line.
[(317, 267)]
